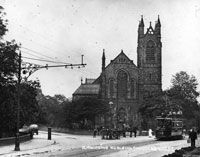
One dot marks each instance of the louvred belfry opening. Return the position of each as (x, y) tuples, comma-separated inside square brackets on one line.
[(150, 51)]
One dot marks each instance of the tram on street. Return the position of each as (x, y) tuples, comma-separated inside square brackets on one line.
[(169, 128)]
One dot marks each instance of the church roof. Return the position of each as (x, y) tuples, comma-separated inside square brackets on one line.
[(87, 89), (89, 80), (122, 54)]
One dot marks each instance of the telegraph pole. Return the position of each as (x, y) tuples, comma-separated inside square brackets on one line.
[(30, 69), (17, 148)]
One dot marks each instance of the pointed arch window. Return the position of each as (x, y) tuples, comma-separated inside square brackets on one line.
[(150, 51), (111, 88), (122, 80)]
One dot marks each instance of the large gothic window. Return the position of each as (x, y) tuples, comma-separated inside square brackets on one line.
[(111, 88), (122, 80), (150, 51)]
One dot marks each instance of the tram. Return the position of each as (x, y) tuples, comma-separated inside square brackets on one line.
[(169, 128)]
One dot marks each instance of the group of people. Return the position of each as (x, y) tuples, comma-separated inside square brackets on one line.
[(102, 130)]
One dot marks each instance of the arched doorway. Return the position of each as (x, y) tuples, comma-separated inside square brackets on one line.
[(121, 116)]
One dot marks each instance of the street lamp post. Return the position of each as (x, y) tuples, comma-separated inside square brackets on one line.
[(111, 112), (17, 142), (114, 114)]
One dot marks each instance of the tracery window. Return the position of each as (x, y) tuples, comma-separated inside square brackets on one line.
[(122, 80), (150, 51), (111, 88)]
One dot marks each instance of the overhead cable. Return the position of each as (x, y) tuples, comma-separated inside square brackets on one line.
[(43, 60)]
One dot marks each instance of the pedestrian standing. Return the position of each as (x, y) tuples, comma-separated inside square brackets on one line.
[(193, 137), (131, 133), (150, 133), (95, 132), (135, 131)]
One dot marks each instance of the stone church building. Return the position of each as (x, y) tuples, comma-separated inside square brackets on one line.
[(122, 84)]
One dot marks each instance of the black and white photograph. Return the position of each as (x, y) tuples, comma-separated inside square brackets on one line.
[(99, 78)]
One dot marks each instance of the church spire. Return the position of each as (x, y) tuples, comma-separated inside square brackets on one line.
[(141, 29), (103, 60), (158, 22), (158, 26), (141, 24)]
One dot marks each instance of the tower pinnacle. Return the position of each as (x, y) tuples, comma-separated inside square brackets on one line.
[(141, 24), (103, 60), (158, 22)]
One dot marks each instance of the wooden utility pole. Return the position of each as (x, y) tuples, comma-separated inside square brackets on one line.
[(17, 142)]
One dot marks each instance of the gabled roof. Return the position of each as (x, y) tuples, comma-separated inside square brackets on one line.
[(120, 55), (87, 89)]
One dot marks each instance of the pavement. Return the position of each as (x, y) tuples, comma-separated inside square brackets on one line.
[(41, 146), (26, 148)]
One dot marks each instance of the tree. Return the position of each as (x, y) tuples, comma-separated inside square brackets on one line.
[(30, 109), (182, 96), (8, 71), (3, 22), (54, 109), (184, 89), (186, 85), (8, 92), (8, 62), (86, 109), (151, 107), (7, 110)]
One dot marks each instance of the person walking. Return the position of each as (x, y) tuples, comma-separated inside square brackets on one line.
[(193, 137)]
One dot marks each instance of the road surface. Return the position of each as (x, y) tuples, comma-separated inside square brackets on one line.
[(66, 145)]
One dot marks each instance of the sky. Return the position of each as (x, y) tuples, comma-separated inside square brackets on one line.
[(63, 30)]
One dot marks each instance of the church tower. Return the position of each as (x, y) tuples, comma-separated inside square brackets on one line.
[(149, 61)]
